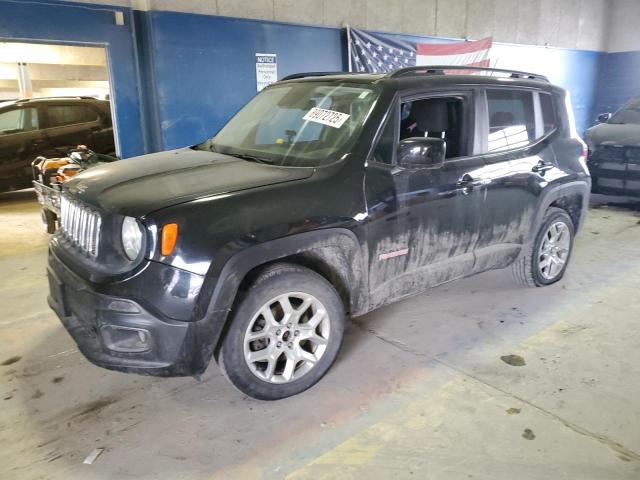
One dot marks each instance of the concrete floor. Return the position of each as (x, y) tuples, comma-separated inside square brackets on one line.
[(419, 391)]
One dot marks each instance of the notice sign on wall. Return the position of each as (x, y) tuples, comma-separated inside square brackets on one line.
[(266, 69)]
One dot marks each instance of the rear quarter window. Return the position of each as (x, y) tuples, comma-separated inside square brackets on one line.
[(548, 113), (511, 119)]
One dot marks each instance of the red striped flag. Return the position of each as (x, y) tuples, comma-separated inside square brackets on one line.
[(473, 54), (377, 52)]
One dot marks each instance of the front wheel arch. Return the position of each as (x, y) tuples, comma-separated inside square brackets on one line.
[(335, 254), (282, 280)]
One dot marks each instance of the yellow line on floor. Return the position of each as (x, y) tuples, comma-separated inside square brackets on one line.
[(400, 441)]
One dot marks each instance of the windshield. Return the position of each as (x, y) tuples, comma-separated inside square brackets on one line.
[(630, 113), (305, 124)]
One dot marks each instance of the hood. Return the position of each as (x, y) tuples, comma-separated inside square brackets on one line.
[(140, 185), (627, 135)]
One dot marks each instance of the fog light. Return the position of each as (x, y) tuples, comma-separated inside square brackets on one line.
[(125, 339), (122, 306)]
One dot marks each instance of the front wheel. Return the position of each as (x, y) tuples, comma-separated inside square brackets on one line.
[(547, 258), (284, 335)]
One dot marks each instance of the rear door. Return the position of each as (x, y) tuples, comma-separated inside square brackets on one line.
[(516, 128), (70, 125)]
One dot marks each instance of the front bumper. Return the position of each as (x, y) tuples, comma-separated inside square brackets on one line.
[(97, 322), (615, 170)]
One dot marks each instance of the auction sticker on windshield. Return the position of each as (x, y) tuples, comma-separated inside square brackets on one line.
[(326, 117)]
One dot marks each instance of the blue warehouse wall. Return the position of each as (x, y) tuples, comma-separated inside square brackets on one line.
[(574, 70), (619, 80), (204, 66), (67, 23), (178, 77)]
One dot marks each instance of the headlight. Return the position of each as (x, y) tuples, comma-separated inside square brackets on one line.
[(131, 237)]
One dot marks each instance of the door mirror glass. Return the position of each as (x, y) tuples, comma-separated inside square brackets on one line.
[(421, 152), (604, 117)]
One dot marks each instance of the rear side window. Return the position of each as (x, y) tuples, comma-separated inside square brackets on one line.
[(511, 119), (18, 121), (548, 113), (60, 115)]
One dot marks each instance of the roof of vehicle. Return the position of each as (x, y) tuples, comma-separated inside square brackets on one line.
[(21, 101), (431, 75)]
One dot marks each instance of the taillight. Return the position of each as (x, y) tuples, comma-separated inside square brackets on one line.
[(585, 153), (583, 157)]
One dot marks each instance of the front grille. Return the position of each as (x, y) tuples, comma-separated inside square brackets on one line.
[(80, 225), (610, 153), (633, 154)]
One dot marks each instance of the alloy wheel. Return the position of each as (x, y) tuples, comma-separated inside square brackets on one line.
[(286, 337), (554, 250)]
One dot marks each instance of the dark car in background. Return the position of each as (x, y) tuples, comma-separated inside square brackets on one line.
[(49, 127), (614, 151)]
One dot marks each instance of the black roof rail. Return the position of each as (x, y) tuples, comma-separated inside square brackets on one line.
[(441, 69), (315, 74)]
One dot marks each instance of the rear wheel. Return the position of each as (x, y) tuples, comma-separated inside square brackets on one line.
[(284, 335), (546, 260)]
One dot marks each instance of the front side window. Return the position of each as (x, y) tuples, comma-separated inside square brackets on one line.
[(304, 124), (630, 113), (61, 115), (511, 119), (18, 121), (438, 117)]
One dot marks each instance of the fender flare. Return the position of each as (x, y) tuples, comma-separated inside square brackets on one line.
[(338, 246), (578, 187)]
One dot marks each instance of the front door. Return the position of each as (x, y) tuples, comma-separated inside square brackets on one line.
[(20, 143), (423, 223)]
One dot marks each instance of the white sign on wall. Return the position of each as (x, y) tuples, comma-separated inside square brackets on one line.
[(266, 69)]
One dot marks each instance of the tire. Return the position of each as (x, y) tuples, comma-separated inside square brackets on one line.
[(49, 220), (529, 269), (269, 358)]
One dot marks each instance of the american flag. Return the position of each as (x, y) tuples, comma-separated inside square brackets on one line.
[(372, 52)]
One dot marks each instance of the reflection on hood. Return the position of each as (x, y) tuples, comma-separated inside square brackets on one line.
[(614, 134)]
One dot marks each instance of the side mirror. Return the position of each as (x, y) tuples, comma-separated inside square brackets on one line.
[(421, 152), (603, 117)]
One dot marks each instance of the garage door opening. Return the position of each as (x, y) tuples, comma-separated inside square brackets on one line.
[(52, 98), (36, 70)]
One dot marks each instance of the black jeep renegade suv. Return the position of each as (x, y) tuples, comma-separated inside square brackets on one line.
[(325, 197)]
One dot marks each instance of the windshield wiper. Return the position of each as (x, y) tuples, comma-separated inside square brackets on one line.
[(251, 158)]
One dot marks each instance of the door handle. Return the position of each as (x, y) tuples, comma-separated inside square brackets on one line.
[(542, 167), (467, 182)]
